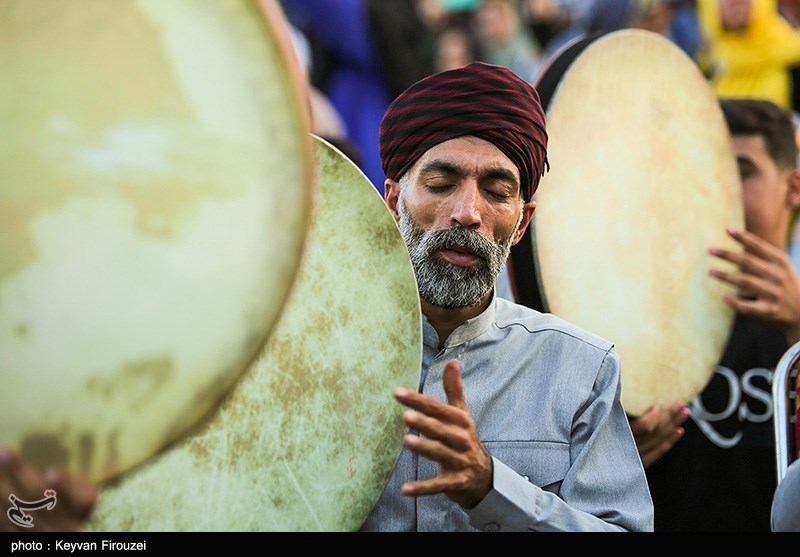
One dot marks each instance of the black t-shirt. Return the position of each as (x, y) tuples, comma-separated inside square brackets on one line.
[(721, 476)]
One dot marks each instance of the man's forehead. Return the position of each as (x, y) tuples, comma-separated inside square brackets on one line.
[(468, 153), (751, 145)]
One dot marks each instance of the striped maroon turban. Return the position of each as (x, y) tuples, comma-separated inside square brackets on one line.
[(484, 100)]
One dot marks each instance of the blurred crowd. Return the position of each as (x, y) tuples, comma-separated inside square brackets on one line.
[(360, 54)]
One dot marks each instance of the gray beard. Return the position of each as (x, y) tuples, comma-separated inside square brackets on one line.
[(441, 283)]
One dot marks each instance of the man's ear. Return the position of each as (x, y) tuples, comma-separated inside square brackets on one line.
[(793, 190), (527, 214), (391, 194)]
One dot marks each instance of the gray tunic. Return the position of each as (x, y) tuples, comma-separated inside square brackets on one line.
[(545, 396)]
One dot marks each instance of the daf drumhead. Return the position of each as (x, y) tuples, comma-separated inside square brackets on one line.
[(643, 181), (308, 438), (155, 191)]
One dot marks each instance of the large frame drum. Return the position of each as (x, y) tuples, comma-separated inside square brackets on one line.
[(309, 437), (642, 183), (156, 178)]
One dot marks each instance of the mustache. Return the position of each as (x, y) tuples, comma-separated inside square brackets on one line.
[(462, 239)]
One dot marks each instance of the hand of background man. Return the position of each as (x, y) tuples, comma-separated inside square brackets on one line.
[(657, 431), (768, 284)]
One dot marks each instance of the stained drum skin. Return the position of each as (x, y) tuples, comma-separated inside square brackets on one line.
[(309, 436), (642, 182), (154, 204)]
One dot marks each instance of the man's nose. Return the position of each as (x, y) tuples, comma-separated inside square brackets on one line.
[(466, 210)]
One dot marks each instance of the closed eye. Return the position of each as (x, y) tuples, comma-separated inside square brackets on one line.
[(439, 188), (499, 196)]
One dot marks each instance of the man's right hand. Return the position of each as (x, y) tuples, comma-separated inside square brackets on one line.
[(75, 497), (658, 430)]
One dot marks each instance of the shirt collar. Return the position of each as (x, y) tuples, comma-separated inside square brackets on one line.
[(469, 330)]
